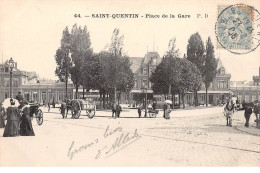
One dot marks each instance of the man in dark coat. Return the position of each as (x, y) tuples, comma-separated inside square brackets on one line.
[(13, 119), (248, 111), (118, 110), (19, 97), (139, 111)]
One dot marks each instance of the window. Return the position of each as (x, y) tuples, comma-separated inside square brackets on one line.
[(6, 82), (144, 84), (136, 86), (203, 97), (188, 97), (246, 97), (145, 71), (222, 84), (15, 82)]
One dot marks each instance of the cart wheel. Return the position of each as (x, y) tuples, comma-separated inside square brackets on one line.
[(91, 113), (152, 115), (39, 117), (76, 115)]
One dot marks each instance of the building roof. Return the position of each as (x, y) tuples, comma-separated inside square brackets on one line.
[(138, 62)]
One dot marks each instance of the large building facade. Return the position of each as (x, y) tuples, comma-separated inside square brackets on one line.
[(143, 67), (247, 91), (44, 91)]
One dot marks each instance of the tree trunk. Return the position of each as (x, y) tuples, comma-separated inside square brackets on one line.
[(77, 88), (107, 101), (100, 99), (66, 89), (83, 92), (169, 92), (179, 100), (172, 102), (115, 94), (206, 97), (183, 104), (104, 100)]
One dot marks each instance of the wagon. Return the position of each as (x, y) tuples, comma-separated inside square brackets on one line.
[(78, 106), (36, 112), (153, 113)]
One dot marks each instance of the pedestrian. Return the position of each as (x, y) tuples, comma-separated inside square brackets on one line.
[(13, 119), (118, 110), (26, 128), (154, 105), (53, 103), (2, 122), (164, 109), (63, 109), (248, 111), (167, 111), (257, 110), (19, 96), (114, 110), (49, 106), (139, 110)]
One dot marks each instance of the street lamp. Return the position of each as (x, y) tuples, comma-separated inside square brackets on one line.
[(38, 81), (11, 66), (144, 89)]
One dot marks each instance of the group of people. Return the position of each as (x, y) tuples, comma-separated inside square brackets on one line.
[(18, 119), (249, 108), (116, 110), (166, 110)]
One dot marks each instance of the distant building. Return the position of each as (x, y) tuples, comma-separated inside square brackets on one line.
[(247, 91), (32, 88), (142, 68)]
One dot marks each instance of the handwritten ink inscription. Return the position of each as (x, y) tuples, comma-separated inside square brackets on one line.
[(105, 148)]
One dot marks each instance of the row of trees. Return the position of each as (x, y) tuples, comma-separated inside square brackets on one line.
[(108, 71), (175, 75)]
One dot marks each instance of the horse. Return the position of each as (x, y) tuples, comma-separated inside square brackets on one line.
[(229, 110)]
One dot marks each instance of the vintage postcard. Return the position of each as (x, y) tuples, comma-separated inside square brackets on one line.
[(129, 83)]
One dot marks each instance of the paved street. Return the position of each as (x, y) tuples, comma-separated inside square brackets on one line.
[(190, 138)]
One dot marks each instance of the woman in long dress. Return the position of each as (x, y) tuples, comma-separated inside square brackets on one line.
[(13, 119), (26, 128), (2, 123)]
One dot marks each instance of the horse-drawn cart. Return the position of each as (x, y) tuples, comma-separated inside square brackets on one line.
[(77, 107), (36, 112)]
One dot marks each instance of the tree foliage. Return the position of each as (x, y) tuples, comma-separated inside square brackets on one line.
[(210, 69), (63, 59)]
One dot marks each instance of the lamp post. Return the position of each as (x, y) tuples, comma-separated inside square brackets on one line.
[(11, 66), (38, 81), (144, 89)]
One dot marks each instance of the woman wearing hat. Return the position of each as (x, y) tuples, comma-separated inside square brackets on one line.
[(26, 128), (13, 119)]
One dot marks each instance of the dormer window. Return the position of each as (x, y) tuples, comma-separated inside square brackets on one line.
[(154, 61), (145, 71), (222, 71)]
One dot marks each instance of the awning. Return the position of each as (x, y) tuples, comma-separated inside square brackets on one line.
[(141, 91), (213, 92)]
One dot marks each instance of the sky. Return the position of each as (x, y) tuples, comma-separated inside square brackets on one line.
[(30, 31)]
